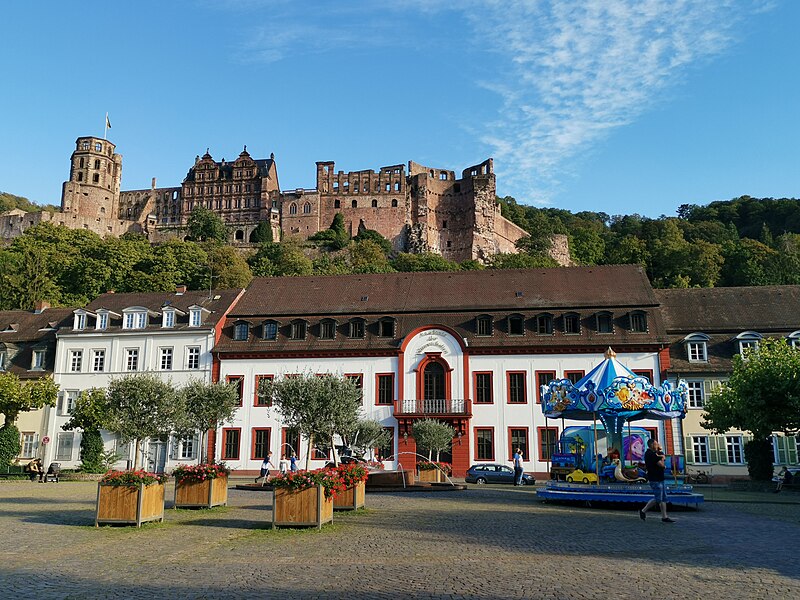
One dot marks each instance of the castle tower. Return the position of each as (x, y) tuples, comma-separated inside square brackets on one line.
[(94, 180)]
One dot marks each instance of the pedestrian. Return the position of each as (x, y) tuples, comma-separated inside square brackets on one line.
[(35, 469), (654, 462), (265, 465), (785, 476), (518, 467), (283, 464), (293, 463)]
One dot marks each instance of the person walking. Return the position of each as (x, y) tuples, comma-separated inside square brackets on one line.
[(518, 467), (293, 463), (265, 465), (654, 462)]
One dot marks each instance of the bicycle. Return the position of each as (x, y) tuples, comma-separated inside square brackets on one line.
[(697, 477)]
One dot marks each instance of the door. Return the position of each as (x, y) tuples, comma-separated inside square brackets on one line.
[(434, 388), (156, 455)]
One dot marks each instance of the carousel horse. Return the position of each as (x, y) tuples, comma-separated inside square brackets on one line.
[(626, 475)]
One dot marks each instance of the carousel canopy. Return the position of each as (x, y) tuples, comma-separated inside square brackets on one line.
[(615, 395)]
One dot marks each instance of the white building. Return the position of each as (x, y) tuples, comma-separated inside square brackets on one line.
[(468, 348), (168, 334)]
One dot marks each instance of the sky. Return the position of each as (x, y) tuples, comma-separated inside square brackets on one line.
[(619, 106)]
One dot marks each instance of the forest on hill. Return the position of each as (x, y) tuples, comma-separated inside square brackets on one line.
[(10, 202), (745, 241)]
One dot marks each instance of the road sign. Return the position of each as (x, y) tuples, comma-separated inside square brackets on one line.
[(46, 439)]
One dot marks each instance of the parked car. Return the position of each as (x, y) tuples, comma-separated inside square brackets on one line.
[(492, 473)]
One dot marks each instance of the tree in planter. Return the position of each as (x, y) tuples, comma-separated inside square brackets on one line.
[(90, 414), (761, 396), (368, 435), (142, 406), (206, 406), (433, 436), (318, 407)]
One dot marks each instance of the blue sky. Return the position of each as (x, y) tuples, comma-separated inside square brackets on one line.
[(619, 106)]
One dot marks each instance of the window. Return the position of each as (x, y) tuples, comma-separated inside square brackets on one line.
[(102, 321), (270, 330), (3, 358), (572, 324), (64, 445), (165, 362), (195, 317), (327, 329), (518, 438), (646, 373), (193, 357), (604, 322), (28, 445), (543, 378), (75, 360), (484, 388), (697, 351), (516, 325), (38, 359), (169, 319), (700, 449), (241, 332), (230, 443), (356, 378), (97, 163), (132, 359), (293, 209), (356, 328), (638, 321), (484, 443), (80, 321), (98, 361), (386, 327), (135, 320), (298, 330), (548, 440), (384, 395), (258, 399), (544, 324), (734, 449), (261, 438), (96, 178), (483, 325), (188, 447), (394, 203), (337, 203), (306, 208), (574, 376), (98, 147), (746, 346), (290, 442), (238, 381), (696, 396), (516, 387), (68, 405), (374, 203)]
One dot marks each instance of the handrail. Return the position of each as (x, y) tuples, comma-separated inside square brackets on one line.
[(433, 406)]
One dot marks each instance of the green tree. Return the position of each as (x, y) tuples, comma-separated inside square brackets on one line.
[(280, 260), (335, 237), (433, 436), (521, 260), (204, 225), (18, 396), (206, 407), (425, 261), (368, 435), (262, 234), (318, 407), (374, 236), (90, 414), (228, 268), (366, 256), (10, 444), (762, 396), (142, 406)]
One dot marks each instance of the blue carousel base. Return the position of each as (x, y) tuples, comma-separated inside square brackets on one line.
[(679, 494)]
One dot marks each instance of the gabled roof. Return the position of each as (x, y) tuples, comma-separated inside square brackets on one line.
[(24, 326)]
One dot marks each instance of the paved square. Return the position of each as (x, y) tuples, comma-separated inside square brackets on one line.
[(488, 542)]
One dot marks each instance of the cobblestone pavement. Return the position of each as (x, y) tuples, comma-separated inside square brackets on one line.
[(488, 542)]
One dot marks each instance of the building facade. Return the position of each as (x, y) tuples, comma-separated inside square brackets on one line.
[(468, 348)]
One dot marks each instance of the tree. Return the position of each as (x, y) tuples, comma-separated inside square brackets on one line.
[(372, 235), (206, 406), (368, 435), (204, 225), (262, 234), (10, 444), (761, 396), (335, 237), (90, 415), (18, 396), (521, 260), (425, 261), (318, 407), (367, 256), (142, 406), (227, 267), (433, 436)]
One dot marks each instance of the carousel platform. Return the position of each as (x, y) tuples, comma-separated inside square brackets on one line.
[(557, 491)]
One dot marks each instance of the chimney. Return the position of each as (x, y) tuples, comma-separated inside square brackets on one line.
[(40, 307), (181, 289)]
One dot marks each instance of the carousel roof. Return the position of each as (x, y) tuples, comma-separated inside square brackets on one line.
[(604, 374)]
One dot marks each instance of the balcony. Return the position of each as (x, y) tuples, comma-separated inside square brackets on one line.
[(413, 407)]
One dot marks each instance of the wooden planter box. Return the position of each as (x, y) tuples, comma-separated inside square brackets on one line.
[(431, 476), (306, 508), (201, 494), (390, 478), (352, 498), (127, 505)]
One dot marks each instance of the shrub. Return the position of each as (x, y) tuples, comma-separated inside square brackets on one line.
[(132, 478), (758, 454), (352, 474), (10, 445), (201, 472), (330, 479), (92, 452)]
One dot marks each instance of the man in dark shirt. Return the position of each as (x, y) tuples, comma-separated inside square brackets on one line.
[(654, 462)]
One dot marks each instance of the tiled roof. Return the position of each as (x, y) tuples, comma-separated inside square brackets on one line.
[(397, 293), (763, 308), (25, 326)]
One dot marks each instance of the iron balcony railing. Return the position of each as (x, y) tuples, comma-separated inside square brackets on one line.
[(433, 406)]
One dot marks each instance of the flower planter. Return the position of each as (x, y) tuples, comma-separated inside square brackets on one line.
[(201, 494), (431, 476), (352, 498), (303, 508), (129, 505)]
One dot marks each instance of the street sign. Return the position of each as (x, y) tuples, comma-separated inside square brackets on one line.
[(46, 439)]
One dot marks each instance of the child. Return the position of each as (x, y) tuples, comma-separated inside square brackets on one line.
[(265, 468)]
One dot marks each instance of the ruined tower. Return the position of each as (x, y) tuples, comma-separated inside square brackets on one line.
[(94, 180)]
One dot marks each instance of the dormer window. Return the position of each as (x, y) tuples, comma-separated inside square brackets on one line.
[(135, 320), (270, 330), (697, 347), (102, 320), (748, 341), (80, 321), (195, 317), (516, 325), (572, 324), (483, 325), (544, 324), (327, 329), (241, 331), (37, 361), (638, 321), (168, 318), (355, 328), (604, 322), (386, 327), (794, 342), (297, 329)]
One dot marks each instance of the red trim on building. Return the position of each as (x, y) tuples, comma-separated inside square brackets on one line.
[(540, 441), (664, 363), (378, 389), (524, 386), (527, 443), (475, 433), (475, 387), (253, 441), (258, 379), (225, 431), (538, 385), (240, 378), (578, 374), (434, 357)]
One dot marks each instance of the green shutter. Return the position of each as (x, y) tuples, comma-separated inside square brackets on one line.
[(722, 444), (782, 449), (792, 441), (688, 449), (713, 454)]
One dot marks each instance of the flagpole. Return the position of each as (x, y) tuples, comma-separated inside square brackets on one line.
[(105, 127)]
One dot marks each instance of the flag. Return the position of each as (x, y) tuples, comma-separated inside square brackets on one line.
[(108, 123)]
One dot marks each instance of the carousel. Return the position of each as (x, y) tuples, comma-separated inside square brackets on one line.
[(603, 461)]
